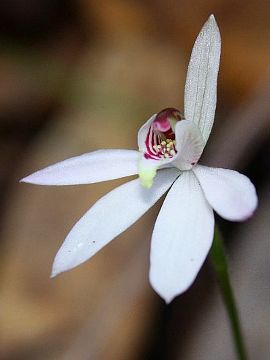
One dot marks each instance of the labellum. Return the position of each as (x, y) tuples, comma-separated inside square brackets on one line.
[(160, 139)]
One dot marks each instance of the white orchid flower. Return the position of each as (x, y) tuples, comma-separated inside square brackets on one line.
[(170, 146)]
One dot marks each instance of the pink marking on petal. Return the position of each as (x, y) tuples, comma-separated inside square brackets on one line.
[(161, 124), (160, 137), (162, 121)]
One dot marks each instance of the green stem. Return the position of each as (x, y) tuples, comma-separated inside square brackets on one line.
[(220, 265)]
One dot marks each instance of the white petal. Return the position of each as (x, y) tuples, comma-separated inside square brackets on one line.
[(181, 239), (142, 133), (231, 194), (88, 168), (201, 82), (109, 217), (189, 144)]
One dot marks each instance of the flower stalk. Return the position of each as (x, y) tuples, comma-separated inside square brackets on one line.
[(220, 265)]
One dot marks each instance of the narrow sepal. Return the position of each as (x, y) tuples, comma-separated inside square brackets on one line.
[(201, 82), (231, 194), (182, 237), (109, 217), (96, 166)]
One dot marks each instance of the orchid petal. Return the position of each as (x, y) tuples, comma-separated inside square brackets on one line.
[(142, 133), (96, 166), (109, 217), (189, 144), (181, 239), (201, 82), (231, 194)]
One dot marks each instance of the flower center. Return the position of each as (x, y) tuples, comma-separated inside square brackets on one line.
[(160, 139)]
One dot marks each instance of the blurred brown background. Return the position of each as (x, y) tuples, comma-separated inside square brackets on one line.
[(79, 75)]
